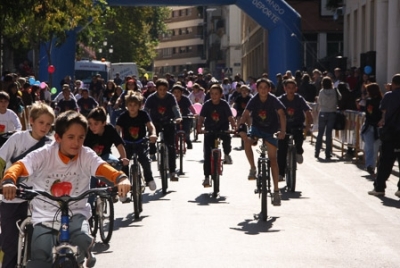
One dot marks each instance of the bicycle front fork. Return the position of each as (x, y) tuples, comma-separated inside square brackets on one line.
[(216, 153)]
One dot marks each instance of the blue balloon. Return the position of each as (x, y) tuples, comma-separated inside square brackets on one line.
[(32, 81), (37, 83), (367, 69)]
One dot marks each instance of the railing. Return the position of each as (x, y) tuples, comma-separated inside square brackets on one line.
[(350, 136)]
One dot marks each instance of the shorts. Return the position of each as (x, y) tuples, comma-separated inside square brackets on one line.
[(268, 137)]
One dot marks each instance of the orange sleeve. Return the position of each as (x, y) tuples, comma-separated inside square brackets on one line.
[(16, 171), (108, 172)]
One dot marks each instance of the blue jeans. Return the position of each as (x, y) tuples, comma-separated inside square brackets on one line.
[(371, 146), (326, 120)]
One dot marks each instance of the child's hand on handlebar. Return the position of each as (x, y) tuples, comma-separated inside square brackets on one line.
[(125, 161), (124, 186), (9, 191), (281, 135)]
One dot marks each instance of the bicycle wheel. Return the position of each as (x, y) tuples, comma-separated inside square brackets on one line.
[(106, 218), (163, 170), (215, 176), (136, 189), (292, 170), (264, 191), (93, 221)]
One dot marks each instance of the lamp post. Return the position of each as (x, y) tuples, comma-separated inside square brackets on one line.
[(107, 51)]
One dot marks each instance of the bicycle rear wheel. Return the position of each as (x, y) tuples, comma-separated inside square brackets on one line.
[(163, 169), (136, 189), (106, 218), (215, 176)]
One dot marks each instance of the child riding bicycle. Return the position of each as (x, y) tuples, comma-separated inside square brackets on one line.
[(41, 117), (134, 124), (65, 160), (216, 115), (297, 110), (268, 116)]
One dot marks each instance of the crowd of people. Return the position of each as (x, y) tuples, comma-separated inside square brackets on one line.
[(139, 108)]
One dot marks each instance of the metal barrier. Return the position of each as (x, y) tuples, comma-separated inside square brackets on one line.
[(350, 136)]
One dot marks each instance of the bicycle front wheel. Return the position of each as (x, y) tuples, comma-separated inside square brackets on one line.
[(215, 176), (65, 261), (291, 171), (93, 221), (136, 189), (264, 191), (163, 169), (106, 218)]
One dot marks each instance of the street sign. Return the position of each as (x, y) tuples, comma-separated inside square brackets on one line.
[(228, 71)]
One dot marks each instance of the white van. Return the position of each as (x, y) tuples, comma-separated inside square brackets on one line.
[(124, 69), (86, 69)]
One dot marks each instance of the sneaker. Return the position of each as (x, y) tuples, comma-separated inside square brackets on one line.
[(153, 157), (299, 158), (206, 182), (371, 170), (152, 185), (91, 260), (376, 193), (115, 199), (281, 178), (252, 174), (397, 193), (276, 199), (125, 200), (228, 159), (173, 177)]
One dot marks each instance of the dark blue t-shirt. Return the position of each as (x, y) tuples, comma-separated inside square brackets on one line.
[(133, 128), (66, 105), (160, 110), (265, 114), (86, 105), (391, 104), (294, 110), (241, 103), (216, 115), (102, 144), (184, 105)]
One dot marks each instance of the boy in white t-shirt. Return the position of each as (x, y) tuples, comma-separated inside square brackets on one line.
[(65, 160), (41, 118), (9, 120)]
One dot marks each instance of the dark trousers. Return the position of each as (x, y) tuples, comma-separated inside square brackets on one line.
[(209, 140), (10, 214), (169, 138), (283, 147), (143, 158), (186, 126), (389, 154), (326, 120)]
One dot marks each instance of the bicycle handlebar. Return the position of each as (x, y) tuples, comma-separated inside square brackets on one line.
[(218, 132), (141, 141)]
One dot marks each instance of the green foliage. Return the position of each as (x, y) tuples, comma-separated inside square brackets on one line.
[(133, 32)]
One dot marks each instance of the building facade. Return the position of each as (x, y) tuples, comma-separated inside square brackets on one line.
[(371, 36)]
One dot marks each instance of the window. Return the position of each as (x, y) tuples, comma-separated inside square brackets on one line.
[(189, 30), (189, 49), (182, 50), (167, 52)]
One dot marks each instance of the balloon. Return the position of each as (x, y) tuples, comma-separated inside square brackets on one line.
[(200, 70), (146, 75), (31, 81), (367, 69), (53, 90), (234, 112), (43, 85), (37, 83), (51, 69), (197, 107), (190, 84)]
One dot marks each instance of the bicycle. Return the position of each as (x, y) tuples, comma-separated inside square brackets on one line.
[(216, 159), (103, 211), (263, 180), (64, 253), (291, 164), (136, 177), (180, 145), (25, 229)]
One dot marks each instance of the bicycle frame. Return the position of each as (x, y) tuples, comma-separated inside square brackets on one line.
[(291, 164), (180, 146), (162, 161), (23, 241)]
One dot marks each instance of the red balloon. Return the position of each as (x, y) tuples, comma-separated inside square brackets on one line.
[(51, 69)]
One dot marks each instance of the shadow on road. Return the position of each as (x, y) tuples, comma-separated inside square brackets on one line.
[(100, 247), (207, 199), (156, 196), (390, 202), (286, 195), (257, 226), (127, 221)]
